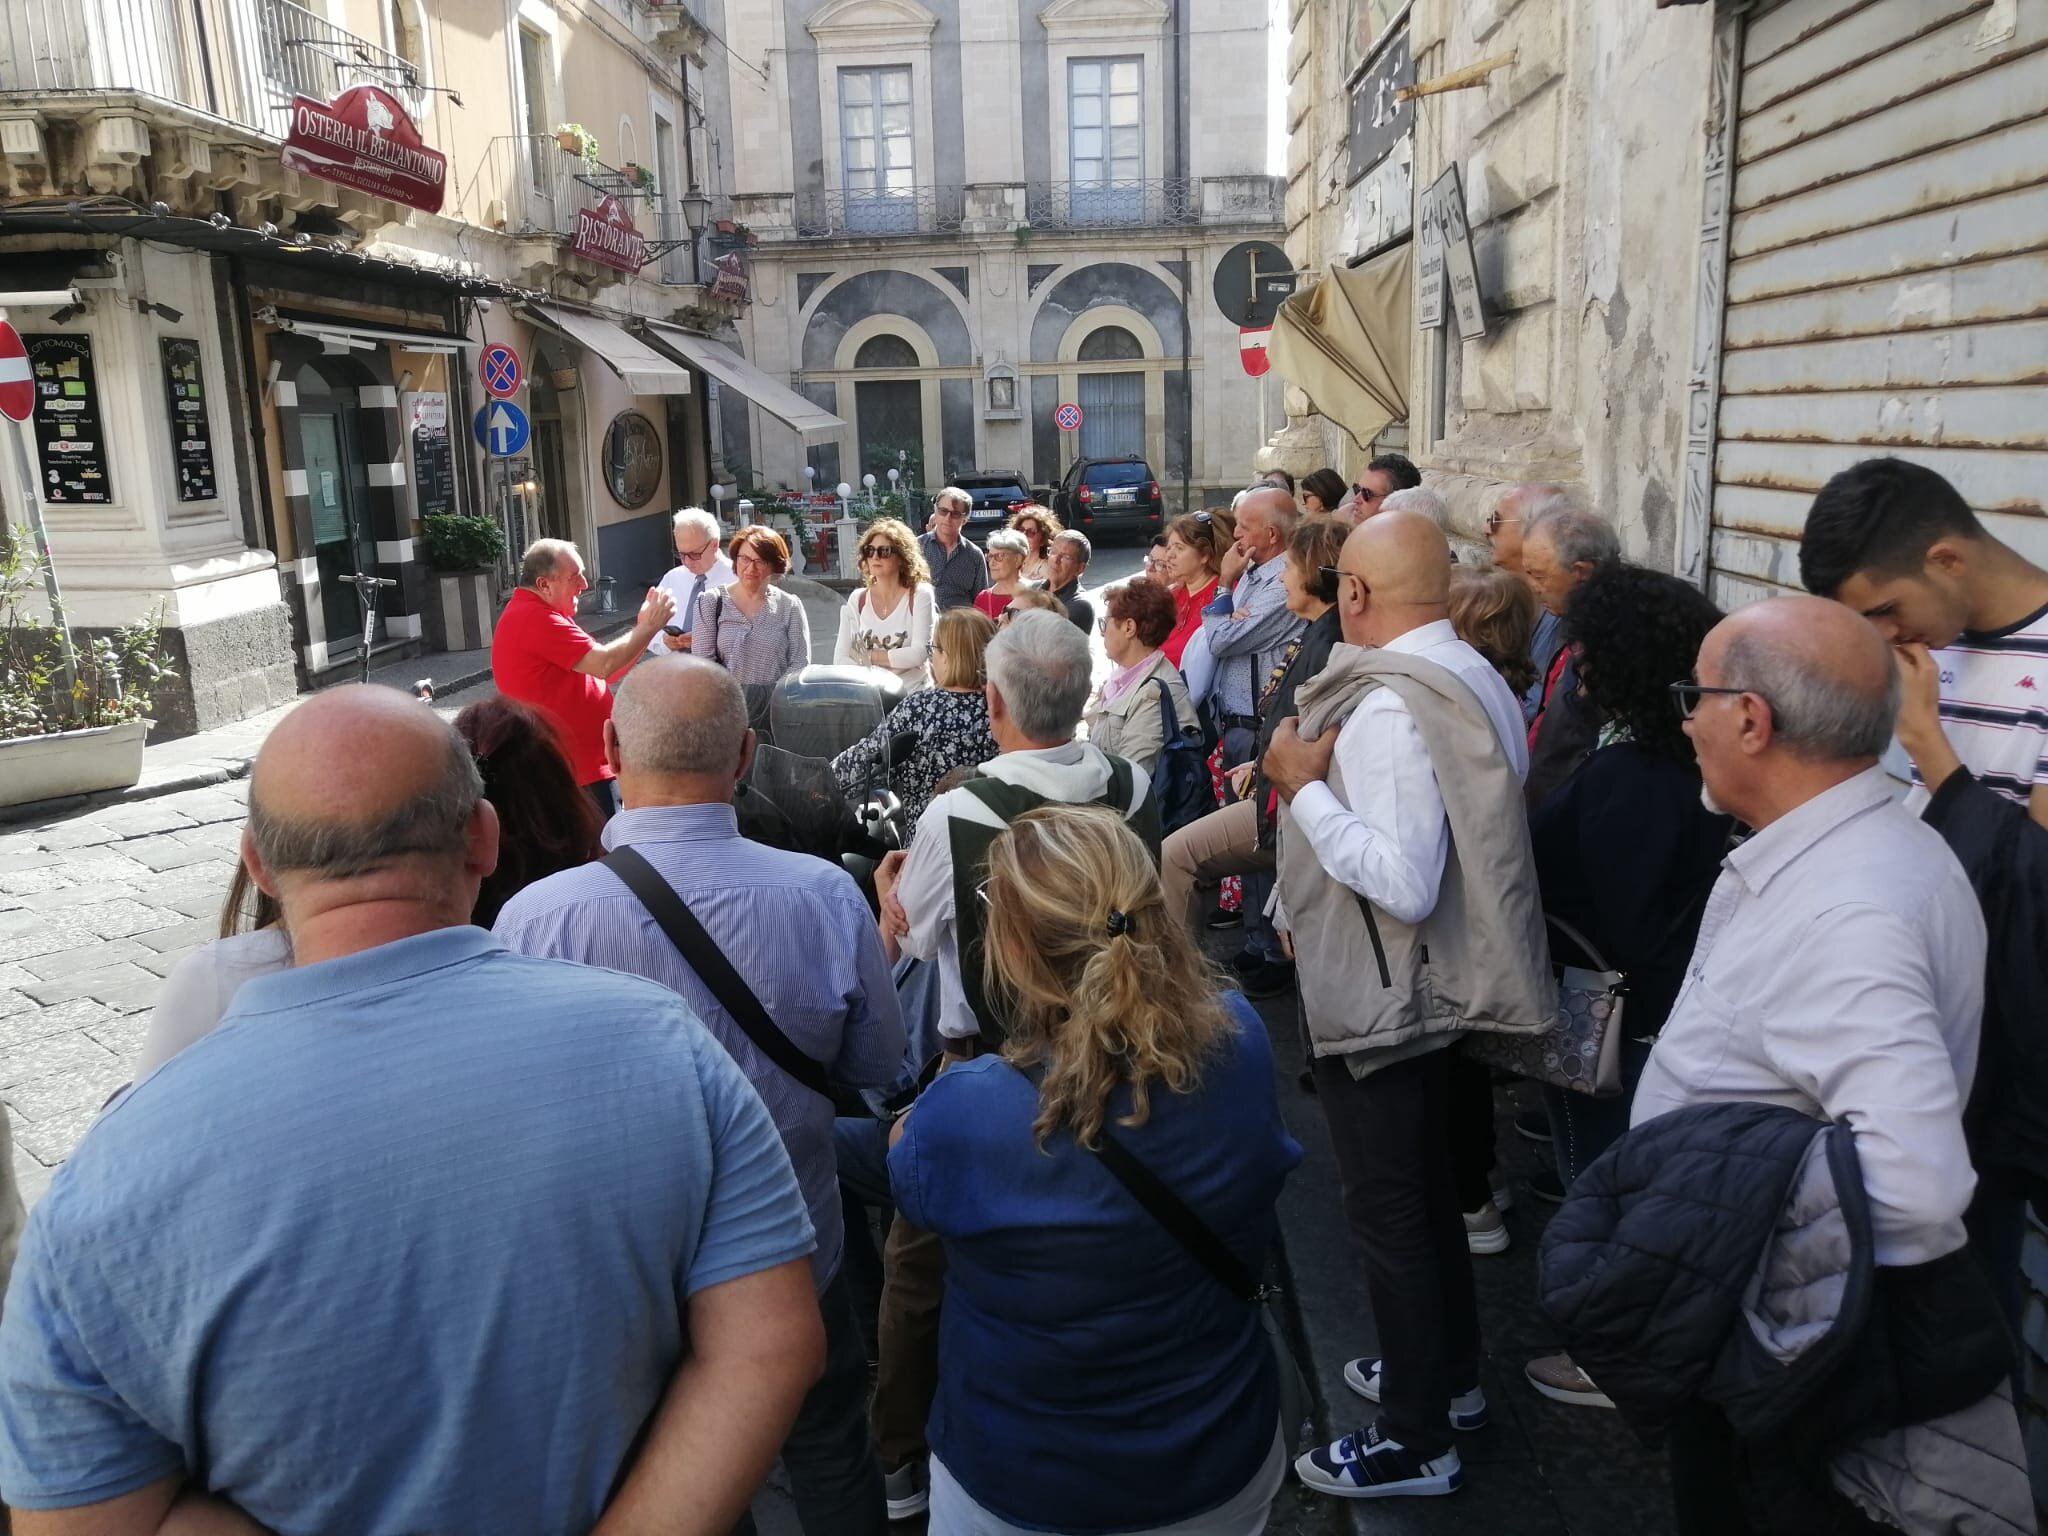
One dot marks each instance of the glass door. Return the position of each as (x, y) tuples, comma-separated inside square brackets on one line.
[(344, 543)]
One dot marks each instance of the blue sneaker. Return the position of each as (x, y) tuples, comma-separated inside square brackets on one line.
[(1367, 1465), (1468, 1409)]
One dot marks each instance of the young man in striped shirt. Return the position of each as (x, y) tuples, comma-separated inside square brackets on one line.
[(1967, 618)]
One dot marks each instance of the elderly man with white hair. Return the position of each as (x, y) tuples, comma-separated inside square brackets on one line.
[(701, 566), (1419, 499)]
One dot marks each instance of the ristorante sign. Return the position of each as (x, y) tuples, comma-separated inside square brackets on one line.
[(605, 234), (364, 139)]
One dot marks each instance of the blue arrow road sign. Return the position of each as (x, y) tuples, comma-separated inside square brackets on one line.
[(502, 428)]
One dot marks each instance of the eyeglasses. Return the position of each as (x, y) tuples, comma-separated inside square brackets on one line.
[(1687, 696), (1364, 494), (877, 551), (1495, 522), (1335, 577), (698, 553), (952, 511)]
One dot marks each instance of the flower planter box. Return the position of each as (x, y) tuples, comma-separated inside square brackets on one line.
[(71, 762), (460, 609)]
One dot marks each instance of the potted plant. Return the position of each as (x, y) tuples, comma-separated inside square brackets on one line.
[(54, 740), (462, 595), (575, 139), (639, 175)]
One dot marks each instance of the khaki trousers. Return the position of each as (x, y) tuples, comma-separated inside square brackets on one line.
[(1224, 842), (907, 1341)]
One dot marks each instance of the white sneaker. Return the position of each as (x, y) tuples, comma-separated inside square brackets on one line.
[(1485, 1232), (1503, 1197), (1367, 1465), (908, 1490), (1468, 1409)]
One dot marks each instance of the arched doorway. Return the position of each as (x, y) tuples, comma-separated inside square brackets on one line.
[(1112, 404), (336, 457), (889, 413)]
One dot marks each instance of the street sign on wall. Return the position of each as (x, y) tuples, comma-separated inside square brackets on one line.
[(1447, 267), (1378, 121), (365, 140), (1068, 417), (17, 385)]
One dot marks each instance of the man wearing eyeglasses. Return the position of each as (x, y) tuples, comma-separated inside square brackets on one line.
[(959, 569), (1518, 507), (701, 566), (1839, 969)]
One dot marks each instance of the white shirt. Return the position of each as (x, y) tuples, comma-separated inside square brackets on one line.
[(1840, 972), (1074, 773), (199, 988), (680, 583), (1390, 845), (905, 632)]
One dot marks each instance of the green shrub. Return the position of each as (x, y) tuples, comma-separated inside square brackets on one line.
[(454, 541), (117, 673)]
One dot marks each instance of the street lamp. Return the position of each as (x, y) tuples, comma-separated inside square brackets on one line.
[(696, 214), (868, 480)]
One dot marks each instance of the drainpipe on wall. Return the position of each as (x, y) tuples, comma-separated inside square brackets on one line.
[(1180, 162)]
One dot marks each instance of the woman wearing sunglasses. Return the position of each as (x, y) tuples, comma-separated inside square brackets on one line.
[(888, 623)]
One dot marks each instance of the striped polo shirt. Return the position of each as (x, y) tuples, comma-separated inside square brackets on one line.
[(1994, 706)]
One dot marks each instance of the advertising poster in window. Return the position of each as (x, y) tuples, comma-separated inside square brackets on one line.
[(191, 431), (70, 437), (433, 456)]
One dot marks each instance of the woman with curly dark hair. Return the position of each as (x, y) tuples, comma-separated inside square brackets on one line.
[(1626, 851), (542, 826)]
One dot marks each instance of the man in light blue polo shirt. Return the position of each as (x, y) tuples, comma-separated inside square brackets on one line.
[(427, 1236), (799, 933)]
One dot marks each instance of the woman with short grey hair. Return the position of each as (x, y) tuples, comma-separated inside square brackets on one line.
[(1007, 551)]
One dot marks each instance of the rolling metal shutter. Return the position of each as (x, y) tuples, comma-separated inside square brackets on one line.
[(1887, 286)]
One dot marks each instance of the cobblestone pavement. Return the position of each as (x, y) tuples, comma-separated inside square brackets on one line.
[(94, 911)]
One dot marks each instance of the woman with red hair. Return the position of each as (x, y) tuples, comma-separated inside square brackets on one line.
[(545, 823)]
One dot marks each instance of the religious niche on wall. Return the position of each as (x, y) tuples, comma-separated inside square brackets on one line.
[(632, 459)]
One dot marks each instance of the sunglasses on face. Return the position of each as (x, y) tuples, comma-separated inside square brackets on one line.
[(877, 552), (1687, 696), (1365, 494), (1495, 522)]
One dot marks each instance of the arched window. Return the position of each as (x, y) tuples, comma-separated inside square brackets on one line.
[(405, 36), (1111, 344), (885, 352)]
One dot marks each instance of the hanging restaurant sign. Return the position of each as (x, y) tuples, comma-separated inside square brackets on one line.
[(191, 432), (731, 281), (71, 439), (605, 235), (365, 140)]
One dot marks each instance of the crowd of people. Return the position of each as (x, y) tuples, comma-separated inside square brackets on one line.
[(511, 1161)]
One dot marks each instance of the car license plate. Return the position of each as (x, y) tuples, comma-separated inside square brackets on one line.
[(1121, 498), (984, 514)]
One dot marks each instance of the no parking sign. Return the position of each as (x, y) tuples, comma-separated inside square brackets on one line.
[(1068, 417), (499, 369)]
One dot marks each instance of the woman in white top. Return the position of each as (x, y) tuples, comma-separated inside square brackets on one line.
[(197, 992), (888, 623)]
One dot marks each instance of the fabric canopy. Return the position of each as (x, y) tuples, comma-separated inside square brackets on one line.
[(736, 373), (1344, 343), (645, 371)]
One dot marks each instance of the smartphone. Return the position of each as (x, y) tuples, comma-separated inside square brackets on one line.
[(673, 629)]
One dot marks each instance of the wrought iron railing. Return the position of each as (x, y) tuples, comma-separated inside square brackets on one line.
[(527, 184), (1160, 203), (239, 60)]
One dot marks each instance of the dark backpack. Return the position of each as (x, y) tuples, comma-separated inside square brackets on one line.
[(1180, 777)]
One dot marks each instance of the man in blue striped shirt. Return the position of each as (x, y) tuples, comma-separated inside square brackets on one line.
[(799, 932)]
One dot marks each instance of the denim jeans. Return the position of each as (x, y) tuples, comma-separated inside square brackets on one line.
[(829, 1455)]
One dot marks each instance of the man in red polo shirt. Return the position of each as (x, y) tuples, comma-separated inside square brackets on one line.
[(541, 656)]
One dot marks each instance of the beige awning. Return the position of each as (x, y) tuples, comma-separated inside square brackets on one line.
[(736, 373), (645, 371), (1344, 343)]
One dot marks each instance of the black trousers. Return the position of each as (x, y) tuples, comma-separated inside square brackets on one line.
[(1391, 1134), (1471, 1124)]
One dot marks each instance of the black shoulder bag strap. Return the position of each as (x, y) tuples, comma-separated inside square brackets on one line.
[(703, 956), (1181, 1223)]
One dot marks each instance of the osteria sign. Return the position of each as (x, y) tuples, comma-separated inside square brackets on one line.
[(363, 139)]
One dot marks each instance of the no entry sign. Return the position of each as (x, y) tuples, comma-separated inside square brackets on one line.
[(1251, 350), (499, 369), (17, 384), (1068, 417)]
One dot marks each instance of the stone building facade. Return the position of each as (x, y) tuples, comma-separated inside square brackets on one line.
[(966, 213)]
